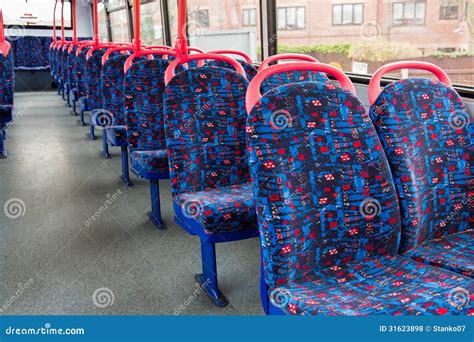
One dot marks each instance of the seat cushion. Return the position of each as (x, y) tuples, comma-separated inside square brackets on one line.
[(117, 135), (225, 209), (146, 163), (387, 285), (454, 252)]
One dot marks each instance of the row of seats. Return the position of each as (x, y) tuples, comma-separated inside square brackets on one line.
[(7, 87), (357, 213), (31, 52)]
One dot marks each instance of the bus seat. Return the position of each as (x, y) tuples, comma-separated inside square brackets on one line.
[(113, 98), (428, 137), (92, 83), (205, 136), (143, 88), (29, 54), (250, 70), (80, 94), (71, 76), (327, 208), (46, 41), (7, 86)]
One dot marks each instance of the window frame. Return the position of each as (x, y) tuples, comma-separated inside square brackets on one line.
[(296, 18), (352, 4), (444, 6), (249, 11), (413, 21)]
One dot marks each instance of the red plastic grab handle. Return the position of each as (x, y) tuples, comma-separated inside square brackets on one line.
[(286, 56), (128, 62), (54, 25), (107, 53), (374, 86), (98, 46), (253, 91), (233, 52), (79, 43), (74, 21), (169, 74), (2, 30)]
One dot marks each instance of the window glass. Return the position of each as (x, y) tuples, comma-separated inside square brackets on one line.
[(119, 26), (235, 25), (359, 36), (103, 33), (111, 4), (151, 26), (34, 13)]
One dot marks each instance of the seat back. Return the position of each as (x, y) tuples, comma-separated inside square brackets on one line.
[(143, 88), (292, 77), (46, 42), (113, 89), (8, 79), (80, 70), (92, 79), (428, 137), (29, 53), (71, 67), (323, 190), (205, 129), (64, 55), (250, 69)]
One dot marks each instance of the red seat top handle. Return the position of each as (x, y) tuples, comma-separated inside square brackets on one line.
[(234, 52), (286, 56), (253, 92), (4, 44), (107, 54), (170, 71), (374, 86), (129, 61)]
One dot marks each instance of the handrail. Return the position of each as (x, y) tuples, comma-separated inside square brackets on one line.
[(74, 21), (4, 44), (234, 52), (62, 22), (374, 85), (55, 39), (97, 46), (181, 45), (169, 74), (286, 56), (254, 93), (95, 18), (128, 62), (137, 42), (107, 54)]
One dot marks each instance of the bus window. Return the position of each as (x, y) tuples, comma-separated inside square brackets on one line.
[(225, 25), (103, 32), (34, 13), (360, 36), (151, 24)]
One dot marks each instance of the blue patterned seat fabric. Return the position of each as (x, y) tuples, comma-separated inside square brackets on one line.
[(92, 80), (7, 86), (144, 87), (328, 212), (71, 73), (29, 54), (453, 252), (205, 135), (113, 97), (429, 141), (250, 69), (292, 77), (80, 68)]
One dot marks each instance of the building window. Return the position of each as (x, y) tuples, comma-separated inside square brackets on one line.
[(448, 9), (249, 17), (409, 13), (348, 14), (291, 18), (202, 18)]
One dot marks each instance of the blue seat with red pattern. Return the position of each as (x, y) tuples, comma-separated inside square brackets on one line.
[(327, 208), (246, 63), (113, 98), (428, 137), (205, 136), (79, 77), (93, 86), (290, 77), (143, 87), (7, 86), (29, 54)]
